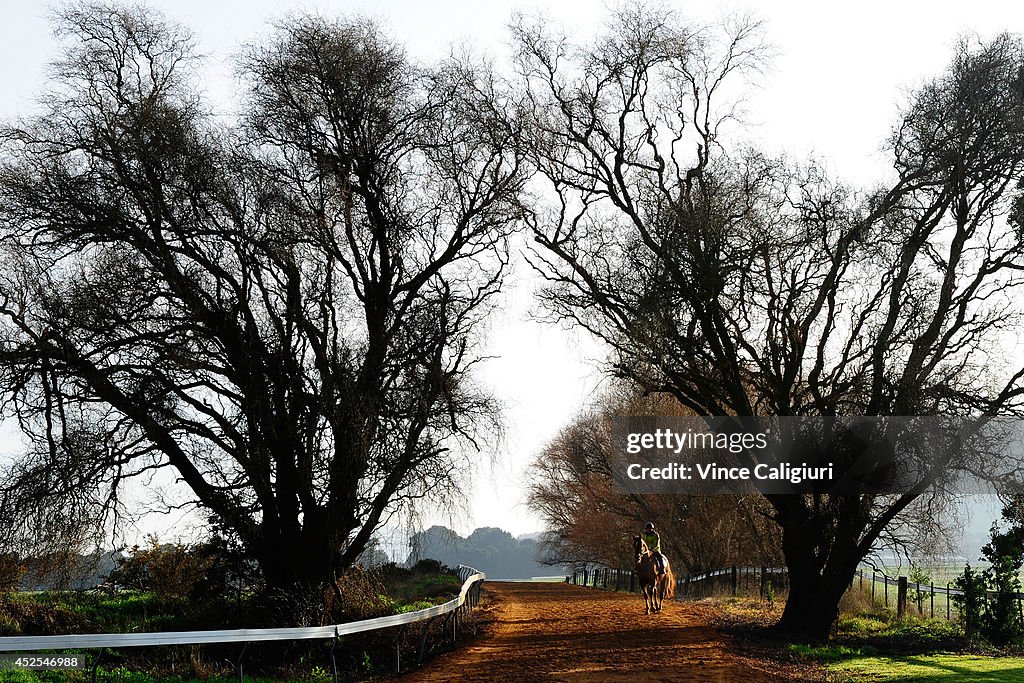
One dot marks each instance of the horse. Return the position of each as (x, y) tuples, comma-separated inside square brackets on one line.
[(654, 587)]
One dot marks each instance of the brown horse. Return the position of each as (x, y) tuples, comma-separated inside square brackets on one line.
[(655, 587)]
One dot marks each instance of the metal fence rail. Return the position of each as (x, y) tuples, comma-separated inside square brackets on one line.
[(738, 578), (454, 610), (860, 573)]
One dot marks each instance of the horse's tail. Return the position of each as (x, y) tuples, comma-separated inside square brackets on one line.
[(670, 581)]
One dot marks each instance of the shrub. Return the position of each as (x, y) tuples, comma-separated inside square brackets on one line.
[(358, 594), (165, 569), (920, 577), (971, 604), (1003, 623), (989, 606), (198, 572), (428, 566), (19, 616), (12, 571)]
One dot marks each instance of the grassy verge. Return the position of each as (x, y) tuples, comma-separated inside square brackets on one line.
[(359, 656), (869, 644), (845, 664), (126, 676)]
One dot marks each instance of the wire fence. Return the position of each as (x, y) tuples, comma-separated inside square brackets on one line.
[(924, 599), (453, 614)]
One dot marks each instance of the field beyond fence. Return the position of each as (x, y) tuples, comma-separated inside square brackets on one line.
[(926, 599)]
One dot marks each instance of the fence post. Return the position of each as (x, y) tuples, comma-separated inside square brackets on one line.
[(735, 580), (885, 582), (947, 600), (96, 664), (901, 598), (398, 649), (241, 663), (872, 590), (334, 662), (423, 641), (764, 580), (931, 593)]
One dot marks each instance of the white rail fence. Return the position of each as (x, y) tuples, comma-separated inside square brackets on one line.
[(454, 612)]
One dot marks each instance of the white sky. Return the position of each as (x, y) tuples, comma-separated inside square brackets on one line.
[(833, 91)]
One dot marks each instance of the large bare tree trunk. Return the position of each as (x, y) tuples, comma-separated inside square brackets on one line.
[(820, 569)]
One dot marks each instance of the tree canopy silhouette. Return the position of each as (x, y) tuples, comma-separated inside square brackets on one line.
[(744, 286), (281, 308)]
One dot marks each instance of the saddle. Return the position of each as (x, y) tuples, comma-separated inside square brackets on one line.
[(659, 567)]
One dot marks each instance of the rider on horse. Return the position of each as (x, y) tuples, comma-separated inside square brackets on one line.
[(653, 541)]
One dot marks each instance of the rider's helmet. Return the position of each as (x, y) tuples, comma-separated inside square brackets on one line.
[(649, 527)]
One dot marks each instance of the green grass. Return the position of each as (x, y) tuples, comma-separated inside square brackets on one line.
[(125, 612), (885, 631), (827, 654), (873, 648), (418, 605), (425, 590), (129, 611), (933, 667), (125, 676), (866, 664)]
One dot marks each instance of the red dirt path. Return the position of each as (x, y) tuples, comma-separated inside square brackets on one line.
[(558, 632)]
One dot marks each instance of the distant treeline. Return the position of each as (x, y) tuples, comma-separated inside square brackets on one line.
[(491, 550)]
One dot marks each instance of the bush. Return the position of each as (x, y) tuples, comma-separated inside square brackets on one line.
[(428, 566), (920, 577), (358, 594), (198, 572), (19, 616), (12, 571), (989, 607), (1003, 624), (971, 604)]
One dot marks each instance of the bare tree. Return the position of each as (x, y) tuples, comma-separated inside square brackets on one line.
[(282, 312), (742, 286), (589, 521)]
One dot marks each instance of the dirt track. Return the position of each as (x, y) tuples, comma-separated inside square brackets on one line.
[(557, 632)]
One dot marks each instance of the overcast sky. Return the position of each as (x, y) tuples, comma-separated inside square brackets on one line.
[(833, 91)]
